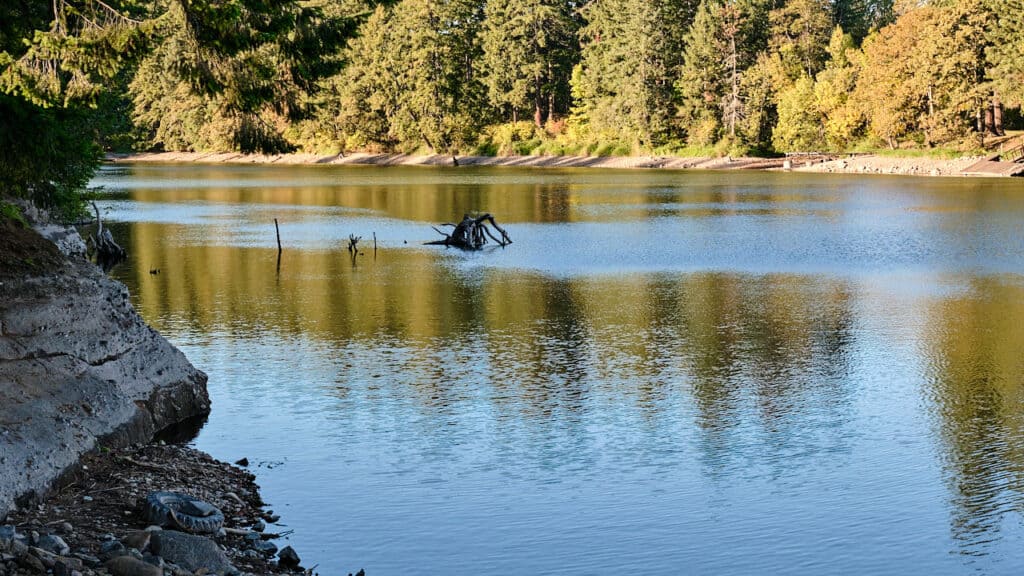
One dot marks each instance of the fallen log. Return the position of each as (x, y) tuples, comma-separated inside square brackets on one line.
[(472, 233)]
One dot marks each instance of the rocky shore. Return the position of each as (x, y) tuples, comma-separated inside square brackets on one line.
[(79, 367), (85, 388), (96, 523)]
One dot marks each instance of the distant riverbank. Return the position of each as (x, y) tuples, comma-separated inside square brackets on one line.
[(861, 164)]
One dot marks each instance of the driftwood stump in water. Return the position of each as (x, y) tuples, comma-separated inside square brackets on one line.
[(108, 252), (472, 233)]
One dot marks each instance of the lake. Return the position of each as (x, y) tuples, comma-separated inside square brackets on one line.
[(666, 372)]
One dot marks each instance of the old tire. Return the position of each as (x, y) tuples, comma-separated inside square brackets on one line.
[(183, 511)]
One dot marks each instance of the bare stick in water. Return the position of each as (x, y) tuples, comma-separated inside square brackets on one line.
[(278, 229)]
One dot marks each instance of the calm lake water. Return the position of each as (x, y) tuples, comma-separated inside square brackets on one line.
[(667, 372)]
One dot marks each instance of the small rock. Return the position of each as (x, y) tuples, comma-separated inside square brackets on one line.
[(259, 526), (66, 528), (32, 564), (8, 533), (154, 560), (153, 528), (252, 536), (111, 549), (65, 566), (138, 540), (128, 566), (288, 558), (33, 538), (242, 462), (190, 552), (47, 558), (71, 562), (87, 559), (54, 544), (267, 548), (86, 498)]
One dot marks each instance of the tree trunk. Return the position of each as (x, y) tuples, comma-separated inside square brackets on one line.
[(538, 96), (980, 125), (735, 88), (997, 115), (551, 95)]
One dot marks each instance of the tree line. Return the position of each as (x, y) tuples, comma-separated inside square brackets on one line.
[(497, 77)]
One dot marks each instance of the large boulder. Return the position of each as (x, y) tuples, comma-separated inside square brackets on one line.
[(79, 368)]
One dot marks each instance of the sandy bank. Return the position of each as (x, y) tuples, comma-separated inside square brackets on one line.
[(838, 164), (871, 164), (668, 162)]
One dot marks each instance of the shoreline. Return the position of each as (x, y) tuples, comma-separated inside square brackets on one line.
[(824, 164), (96, 521)]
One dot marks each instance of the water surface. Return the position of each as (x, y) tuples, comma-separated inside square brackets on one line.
[(667, 372)]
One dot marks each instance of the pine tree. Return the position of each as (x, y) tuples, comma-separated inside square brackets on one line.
[(527, 54), (629, 64), (1005, 51), (700, 86), (722, 44), (800, 32), (415, 70)]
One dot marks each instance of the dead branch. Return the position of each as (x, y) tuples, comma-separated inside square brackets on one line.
[(472, 233)]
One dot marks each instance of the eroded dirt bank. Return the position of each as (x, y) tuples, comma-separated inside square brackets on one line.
[(860, 164)]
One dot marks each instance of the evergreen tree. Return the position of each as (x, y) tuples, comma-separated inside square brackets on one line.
[(629, 63), (800, 31), (414, 69), (527, 54), (700, 86), (1005, 50), (722, 44)]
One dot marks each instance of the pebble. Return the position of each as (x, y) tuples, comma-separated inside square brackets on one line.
[(259, 526), (243, 462), (66, 528), (86, 498)]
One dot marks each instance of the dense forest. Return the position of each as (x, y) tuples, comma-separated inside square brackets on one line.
[(497, 77)]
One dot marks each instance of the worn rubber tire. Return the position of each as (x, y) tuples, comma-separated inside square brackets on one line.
[(182, 511)]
